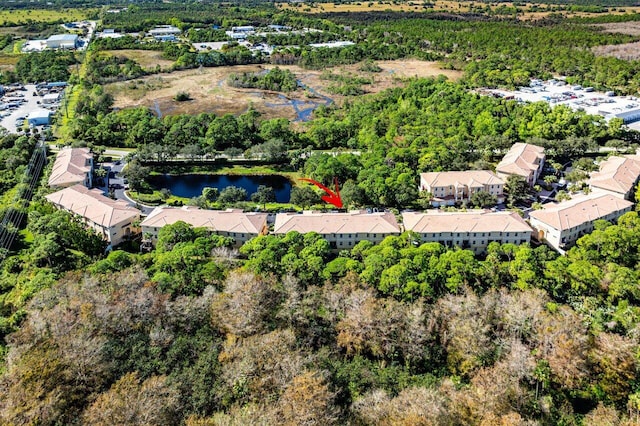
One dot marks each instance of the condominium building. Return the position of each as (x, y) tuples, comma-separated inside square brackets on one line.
[(449, 188), (524, 160), (232, 223), (561, 224), (114, 220), (472, 230), (617, 175), (72, 166), (341, 230)]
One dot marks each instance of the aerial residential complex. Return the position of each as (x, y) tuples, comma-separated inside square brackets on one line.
[(115, 220), (341, 230), (523, 160), (232, 223), (72, 166), (562, 224), (449, 188), (617, 175), (558, 224), (473, 230)]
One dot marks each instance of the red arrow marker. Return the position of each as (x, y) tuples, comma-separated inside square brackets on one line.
[(331, 197)]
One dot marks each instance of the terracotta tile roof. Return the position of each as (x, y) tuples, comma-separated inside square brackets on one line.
[(521, 159), (353, 222), (471, 178), (469, 221), (93, 205), (617, 174), (217, 220), (579, 210), (71, 167)]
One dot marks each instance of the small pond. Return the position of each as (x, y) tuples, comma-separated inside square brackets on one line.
[(191, 185)]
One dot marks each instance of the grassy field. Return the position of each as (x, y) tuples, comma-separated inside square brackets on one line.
[(20, 17), (210, 93), (526, 11)]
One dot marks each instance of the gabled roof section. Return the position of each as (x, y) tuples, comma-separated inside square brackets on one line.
[(617, 174), (580, 210), (470, 221), (71, 166), (230, 220), (93, 205), (521, 159), (471, 178), (353, 222)]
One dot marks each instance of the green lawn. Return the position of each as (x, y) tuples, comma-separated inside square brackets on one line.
[(21, 17)]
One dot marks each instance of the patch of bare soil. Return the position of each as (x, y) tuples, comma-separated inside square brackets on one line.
[(627, 51), (629, 28), (210, 93)]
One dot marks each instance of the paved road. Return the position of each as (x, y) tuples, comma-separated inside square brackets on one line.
[(115, 178)]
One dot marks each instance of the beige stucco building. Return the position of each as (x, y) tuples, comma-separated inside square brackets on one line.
[(341, 230), (524, 160), (449, 188), (114, 220), (617, 175), (72, 166), (472, 230), (561, 224), (232, 223)]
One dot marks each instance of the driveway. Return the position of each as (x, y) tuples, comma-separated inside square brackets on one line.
[(115, 180)]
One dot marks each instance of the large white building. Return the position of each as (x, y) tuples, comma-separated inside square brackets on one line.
[(562, 224), (341, 230), (72, 166), (471, 230), (164, 30), (617, 175), (524, 160), (114, 220), (228, 223), (449, 188), (62, 41)]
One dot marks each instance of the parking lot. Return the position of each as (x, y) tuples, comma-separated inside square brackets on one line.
[(576, 97), (17, 103)]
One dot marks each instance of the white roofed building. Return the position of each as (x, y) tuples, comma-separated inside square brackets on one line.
[(617, 175), (72, 166), (562, 224), (472, 230), (164, 30), (448, 188), (232, 223), (62, 41), (524, 160), (114, 220), (341, 230)]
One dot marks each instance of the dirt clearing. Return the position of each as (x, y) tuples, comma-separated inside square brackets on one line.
[(146, 58), (626, 51), (209, 91), (630, 28)]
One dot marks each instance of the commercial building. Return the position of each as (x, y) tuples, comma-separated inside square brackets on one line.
[(72, 166), (228, 223), (62, 41), (617, 175), (164, 30), (561, 224), (524, 160), (114, 220), (39, 117), (51, 98), (449, 188), (341, 230), (472, 230)]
